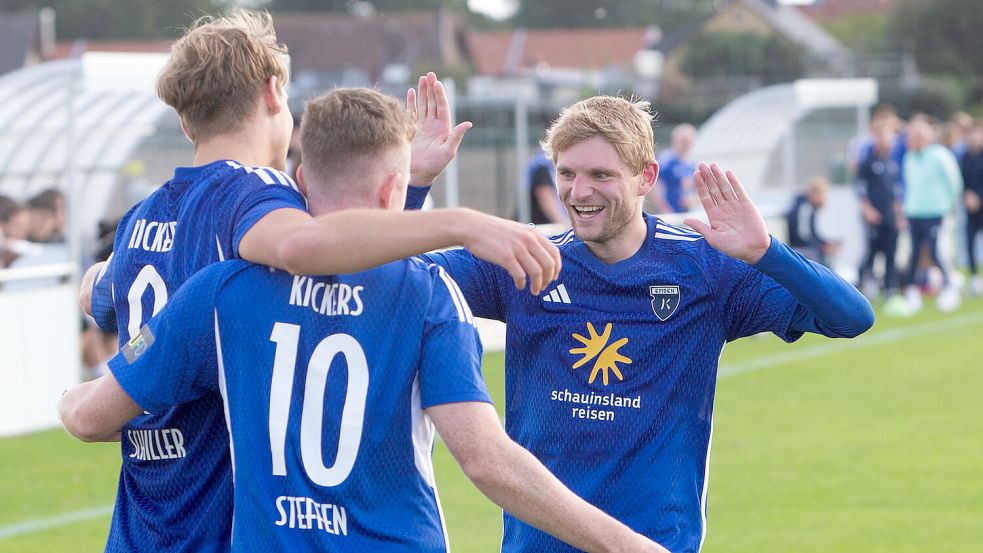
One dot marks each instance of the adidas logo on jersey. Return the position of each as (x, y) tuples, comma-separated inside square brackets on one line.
[(557, 295)]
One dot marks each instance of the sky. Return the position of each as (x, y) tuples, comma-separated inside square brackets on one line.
[(498, 9)]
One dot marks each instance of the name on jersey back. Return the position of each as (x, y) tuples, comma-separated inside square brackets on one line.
[(327, 298), (152, 236)]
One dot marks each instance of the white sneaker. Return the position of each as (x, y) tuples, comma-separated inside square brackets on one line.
[(976, 285), (870, 288), (914, 297), (949, 299)]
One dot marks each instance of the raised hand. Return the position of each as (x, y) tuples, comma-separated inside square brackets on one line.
[(519, 249), (435, 144), (736, 228)]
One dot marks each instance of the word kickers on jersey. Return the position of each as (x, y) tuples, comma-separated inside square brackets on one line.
[(326, 298)]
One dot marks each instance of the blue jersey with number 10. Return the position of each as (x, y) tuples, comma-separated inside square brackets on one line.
[(175, 484), (324, 381)]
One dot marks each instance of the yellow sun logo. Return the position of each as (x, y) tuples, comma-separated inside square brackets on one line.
[(609, 356)]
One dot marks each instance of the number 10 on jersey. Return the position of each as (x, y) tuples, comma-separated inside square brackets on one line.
[(286, 337)]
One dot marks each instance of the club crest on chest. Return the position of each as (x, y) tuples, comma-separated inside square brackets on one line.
[(665, 300)]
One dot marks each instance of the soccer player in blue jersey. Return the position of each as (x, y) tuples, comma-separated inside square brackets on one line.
[(332, 386), (610, 373), (226, 79)]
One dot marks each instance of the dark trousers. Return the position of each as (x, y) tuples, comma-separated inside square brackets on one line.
[(883, 239), (925, 233), (974, 224)]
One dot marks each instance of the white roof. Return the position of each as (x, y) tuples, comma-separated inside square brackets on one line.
[(749, 132)]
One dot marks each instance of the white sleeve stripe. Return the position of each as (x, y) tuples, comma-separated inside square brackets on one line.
[(223, 389), (234, 165), (670, 229), (105, 267), (263, 174), (279, 176), (218, 244), (667, 236), (463, 310)]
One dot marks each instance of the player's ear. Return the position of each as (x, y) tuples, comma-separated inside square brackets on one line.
[(650, 174), (389, 192), (186, 131), (301, 180), (272, 99)]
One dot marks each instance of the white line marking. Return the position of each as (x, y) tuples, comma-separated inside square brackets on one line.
[(38, 524), (861, 342)]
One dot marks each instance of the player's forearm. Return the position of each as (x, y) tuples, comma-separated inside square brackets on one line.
[(359, 239), (80, 418), (519, 484), (85, 287), (833, 307)]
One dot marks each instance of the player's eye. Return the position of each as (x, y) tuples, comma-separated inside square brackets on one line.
[(599, 175), (566, 175)]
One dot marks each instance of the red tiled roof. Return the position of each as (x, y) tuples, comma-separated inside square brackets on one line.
[(586, 48), (71, 48)]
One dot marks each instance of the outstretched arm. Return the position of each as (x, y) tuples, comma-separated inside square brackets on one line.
[(829, 304), (359, 239), (516, 481), (356, 240)]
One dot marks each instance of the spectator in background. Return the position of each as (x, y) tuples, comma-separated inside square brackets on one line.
[(15, 225), (48, 217), (544, 204), (933, 183), (956, 133), (673, 191), (862, 146), (879, 188), (972, 173), (803, 233)]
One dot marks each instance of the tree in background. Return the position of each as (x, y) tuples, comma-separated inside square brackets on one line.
[(609, 13), (944, 35), (772, 59)]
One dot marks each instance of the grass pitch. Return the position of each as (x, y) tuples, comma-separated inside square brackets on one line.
[(869, 445)]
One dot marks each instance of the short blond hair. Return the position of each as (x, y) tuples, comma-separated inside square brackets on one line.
[(625, 124), (345, 128), (216, 71)]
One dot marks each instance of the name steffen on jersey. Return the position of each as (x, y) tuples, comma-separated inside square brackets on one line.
[(307, 514), (326, 298), (152, 236)]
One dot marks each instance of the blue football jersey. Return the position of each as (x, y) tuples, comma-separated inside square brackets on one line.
[(175, 485), (610, 373), (324, 381)]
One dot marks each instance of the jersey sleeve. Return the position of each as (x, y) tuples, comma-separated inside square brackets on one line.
[(481, 281), (789, 295), (450, 359), (256, 201), (753, 303), (103, 307), (173, 358), (415, 197)]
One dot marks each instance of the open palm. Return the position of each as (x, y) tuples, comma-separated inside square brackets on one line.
[(436, 142), (736, 228)]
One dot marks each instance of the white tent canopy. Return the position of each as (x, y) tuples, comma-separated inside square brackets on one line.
[(73, 124), (776, 137)]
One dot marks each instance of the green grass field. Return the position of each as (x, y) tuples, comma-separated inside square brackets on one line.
[(869, 445)]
